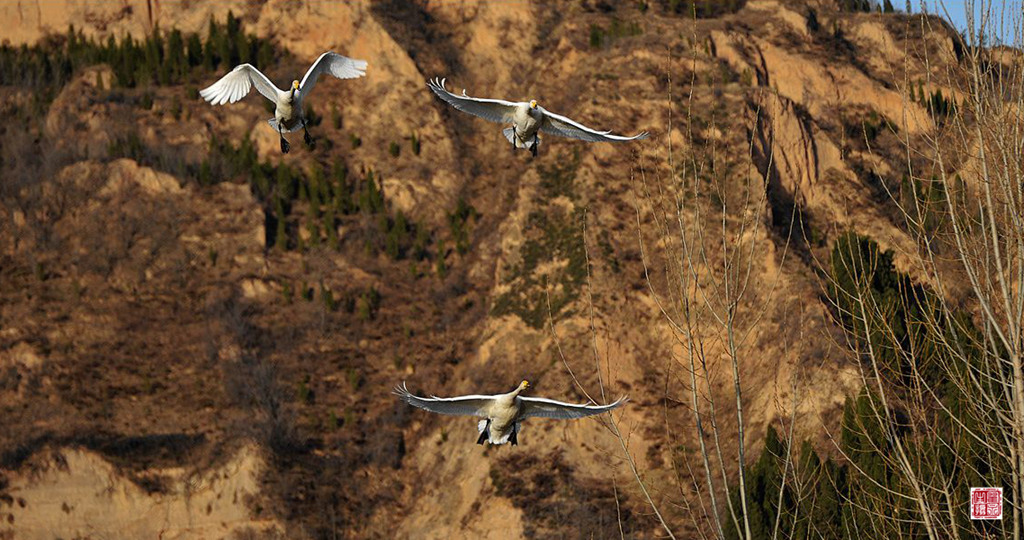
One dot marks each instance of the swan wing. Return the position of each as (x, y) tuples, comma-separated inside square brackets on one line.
[(333, 64), (495, 110), (549, 408), (236, 85), (556, 124), (456, 406)]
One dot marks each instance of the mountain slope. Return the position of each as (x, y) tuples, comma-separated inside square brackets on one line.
[(141, 303)]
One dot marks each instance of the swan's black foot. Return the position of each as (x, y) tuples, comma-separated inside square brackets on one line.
[(485, 434), (285, 147), (310, 141), (533, 149), (512, 439)]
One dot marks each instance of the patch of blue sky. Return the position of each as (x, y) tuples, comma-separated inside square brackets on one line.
[(998, 21)]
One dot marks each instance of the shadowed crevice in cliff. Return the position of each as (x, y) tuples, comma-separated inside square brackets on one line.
[(556, 501), (296, 478), (428, 44), (788, 219), (124, 451)]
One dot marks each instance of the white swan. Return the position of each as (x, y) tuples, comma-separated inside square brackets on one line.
[(288, 116), (503, 413), (527, 118)]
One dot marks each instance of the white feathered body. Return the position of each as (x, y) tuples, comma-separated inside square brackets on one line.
[(526, 121), (503, 416), (288, 112)]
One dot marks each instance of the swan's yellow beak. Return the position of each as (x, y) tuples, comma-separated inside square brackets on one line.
[(533, 105), (295, 85)]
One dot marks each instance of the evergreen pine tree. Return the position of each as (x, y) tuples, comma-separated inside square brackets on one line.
[(155, 65), (210, 59), (422, 240), (439, 266), (175, 55), (227, 45), (331, 228), (313, 227), (391, 244), (265, 56), (325, 193), (371, 199), (281, 235), (110, 52), (342, 191), (314, 194), (195, 50), (205, 173), (285, 182), (126, 63), (335, 116), (402, 228)]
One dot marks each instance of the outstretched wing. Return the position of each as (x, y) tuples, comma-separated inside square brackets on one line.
[(456, 406), (236, 85), (549, 408), (495, 110), (555, 124), (334, 64)]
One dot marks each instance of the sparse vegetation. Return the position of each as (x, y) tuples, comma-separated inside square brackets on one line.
[(327, 199), (601, 37), (703, 9), (304, 394), (327, 298), (335, 117), (459, 221), (441, 266), (549, 492), (554, 240), (368, 304), (865, 6), (312, 118), (862, 130), (176, 108), (158, 59), (354, 378), (414, 140), (939, 106)]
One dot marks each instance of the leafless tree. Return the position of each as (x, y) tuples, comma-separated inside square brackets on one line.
[(946, 383), (702, 224)]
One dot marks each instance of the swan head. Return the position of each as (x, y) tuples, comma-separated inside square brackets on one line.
[(533, 105), (524, 385), (295, 86)]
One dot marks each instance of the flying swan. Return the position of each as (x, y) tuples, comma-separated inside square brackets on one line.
[(502, 414), (527, 118), (288, 116)]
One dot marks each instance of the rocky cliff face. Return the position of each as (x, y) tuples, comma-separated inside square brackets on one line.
[(149, 325)]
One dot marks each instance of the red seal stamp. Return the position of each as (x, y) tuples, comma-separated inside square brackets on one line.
[(987, 503)]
